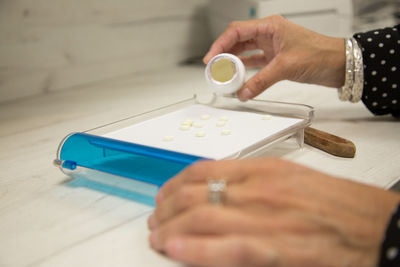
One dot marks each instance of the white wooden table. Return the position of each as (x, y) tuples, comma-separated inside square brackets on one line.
[(43, 222)]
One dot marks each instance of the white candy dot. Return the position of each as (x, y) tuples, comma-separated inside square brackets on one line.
[(369, 39), (205, 117), (374, 104), (184, 127), (384, 95), (198, 125), (266, 117), (383, 62), (201, 134), (391, 51), (393, 69), (394, 86), (168, 138), (374, 89), (372, 55), (388, 36), (380, 44), (221, 123), (394, 101), (223, 118), (187, 122), (226, 132), (384, 79), (374, 72), (376, 32)]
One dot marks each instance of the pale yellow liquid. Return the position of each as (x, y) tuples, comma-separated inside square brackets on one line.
[(223, 70)]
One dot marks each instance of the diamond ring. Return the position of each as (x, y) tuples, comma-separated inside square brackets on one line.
[(216, 191)]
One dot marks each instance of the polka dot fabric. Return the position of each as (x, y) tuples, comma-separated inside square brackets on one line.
[(381, 56), (390, 250)]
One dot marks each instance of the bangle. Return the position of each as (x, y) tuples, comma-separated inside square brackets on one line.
[(358, 84), (354, 75), (345, 91)]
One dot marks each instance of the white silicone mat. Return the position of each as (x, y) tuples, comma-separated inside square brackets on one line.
[(242, 130)]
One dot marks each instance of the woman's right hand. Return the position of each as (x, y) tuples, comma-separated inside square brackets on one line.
[(290, 52)]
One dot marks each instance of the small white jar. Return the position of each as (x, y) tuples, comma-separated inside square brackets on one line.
[(225, 74)]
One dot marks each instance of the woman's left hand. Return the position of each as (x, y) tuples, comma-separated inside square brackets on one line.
[(276, 213)]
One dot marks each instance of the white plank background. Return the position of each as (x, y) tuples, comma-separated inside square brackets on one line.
[(48, 45)]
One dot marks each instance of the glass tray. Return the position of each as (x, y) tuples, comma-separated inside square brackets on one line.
[(136, 170)]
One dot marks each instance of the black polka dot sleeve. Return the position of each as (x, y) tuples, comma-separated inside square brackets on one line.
[(390, 249), (381, 57)]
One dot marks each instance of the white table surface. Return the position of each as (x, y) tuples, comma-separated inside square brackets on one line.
[(43, 222)]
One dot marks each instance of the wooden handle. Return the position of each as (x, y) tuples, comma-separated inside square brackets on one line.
[(329, 143)]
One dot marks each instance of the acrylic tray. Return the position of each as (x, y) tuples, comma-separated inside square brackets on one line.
[(133, 156)]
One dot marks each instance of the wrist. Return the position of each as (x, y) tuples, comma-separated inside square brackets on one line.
[(332, 63)]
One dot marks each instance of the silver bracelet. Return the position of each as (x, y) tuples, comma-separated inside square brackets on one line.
[(345, 91), (358, 84)]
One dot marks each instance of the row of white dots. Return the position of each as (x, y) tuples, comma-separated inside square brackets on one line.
[(391, 51), (394, 102), (188, 123), (374, 89)]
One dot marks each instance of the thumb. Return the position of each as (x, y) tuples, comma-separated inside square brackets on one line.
[(266, 77)]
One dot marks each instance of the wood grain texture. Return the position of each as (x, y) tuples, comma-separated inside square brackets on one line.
[(329, 143), (44, 222), (52, 45)]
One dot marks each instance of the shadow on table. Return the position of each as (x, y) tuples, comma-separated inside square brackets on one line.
[(117, 191)]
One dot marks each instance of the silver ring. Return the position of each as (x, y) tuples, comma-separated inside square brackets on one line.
[(216, 191)]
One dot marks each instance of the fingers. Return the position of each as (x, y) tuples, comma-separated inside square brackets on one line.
[(238, 48), (233, 171), (269, 75), (221, 251), (209, 220), (189, 189), (237, 32), (200, 172), (185, 197), (192, 174), (189, 196), (254, 61)]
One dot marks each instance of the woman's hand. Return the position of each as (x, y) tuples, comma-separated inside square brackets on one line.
[(290, 52), (276, 213)]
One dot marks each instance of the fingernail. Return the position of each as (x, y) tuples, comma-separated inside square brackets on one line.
[(245, 94), (159, 197), (174, 247), (151, 222), (154, 239), (206, 58)]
